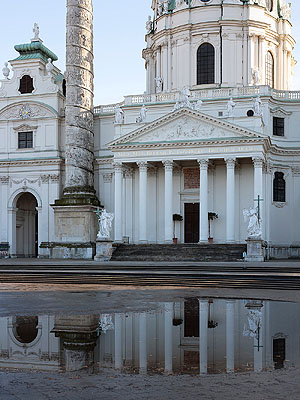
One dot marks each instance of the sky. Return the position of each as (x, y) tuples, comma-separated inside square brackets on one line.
[(119, 37)]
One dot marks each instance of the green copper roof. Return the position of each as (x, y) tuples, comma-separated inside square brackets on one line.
[(34, 50)]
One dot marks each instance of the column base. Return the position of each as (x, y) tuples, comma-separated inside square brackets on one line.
[(67, 250)]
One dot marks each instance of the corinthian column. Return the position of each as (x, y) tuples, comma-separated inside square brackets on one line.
[(79, 186)]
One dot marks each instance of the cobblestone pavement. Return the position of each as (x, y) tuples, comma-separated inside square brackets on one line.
[(109, 385)]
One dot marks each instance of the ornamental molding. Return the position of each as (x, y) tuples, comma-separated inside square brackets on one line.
[(185, 125), (107, 178), (279, 111), (279, 204), (25, 181), (27, 110), (296, 170), (22, 163), (4, 180), (25, 128)]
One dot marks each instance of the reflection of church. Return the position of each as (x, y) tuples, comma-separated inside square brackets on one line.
[(193, 336), (216, 126)]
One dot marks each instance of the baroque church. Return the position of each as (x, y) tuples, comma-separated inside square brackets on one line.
[(214, 133)]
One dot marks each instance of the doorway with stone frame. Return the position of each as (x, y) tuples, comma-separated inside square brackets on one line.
[(26, 226)]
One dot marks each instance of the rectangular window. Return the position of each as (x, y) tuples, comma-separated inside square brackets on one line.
[(278, 126), (25, 140)]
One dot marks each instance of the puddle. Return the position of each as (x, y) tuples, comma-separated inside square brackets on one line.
[(192, 336)]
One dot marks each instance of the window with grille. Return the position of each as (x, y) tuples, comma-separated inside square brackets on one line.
[(278, 126), (279, 187), (205, 64), (26, 84), (270, 69), (25, 140)]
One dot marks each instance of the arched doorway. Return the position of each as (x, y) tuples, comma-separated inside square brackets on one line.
[(27, 226)]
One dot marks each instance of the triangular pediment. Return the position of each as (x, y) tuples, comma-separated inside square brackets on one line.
[(185, 125)]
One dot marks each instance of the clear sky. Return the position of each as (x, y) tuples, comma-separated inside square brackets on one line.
[(119, 29)]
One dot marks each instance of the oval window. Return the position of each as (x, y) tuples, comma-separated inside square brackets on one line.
[(25, 329)]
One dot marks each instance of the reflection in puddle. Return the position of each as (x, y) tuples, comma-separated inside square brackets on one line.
[(194, 336)]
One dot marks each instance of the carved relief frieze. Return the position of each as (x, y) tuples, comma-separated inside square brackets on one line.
[(25, 181), (4, 180), (24, 111)]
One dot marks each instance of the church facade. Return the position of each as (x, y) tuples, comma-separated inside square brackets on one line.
[(215, 133)]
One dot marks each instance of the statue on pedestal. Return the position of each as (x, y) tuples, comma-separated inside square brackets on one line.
[(119, 115), (149, 25), (230, 107), (159, 84), (257, 105), (105, 220), (36, 31), (254, 228)]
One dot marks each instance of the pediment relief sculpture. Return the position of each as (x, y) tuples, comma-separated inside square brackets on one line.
[(25, 111)]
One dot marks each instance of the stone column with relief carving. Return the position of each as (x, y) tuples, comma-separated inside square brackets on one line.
[(75, 220)]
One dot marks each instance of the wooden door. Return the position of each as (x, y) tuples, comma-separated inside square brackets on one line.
[(191, 222)]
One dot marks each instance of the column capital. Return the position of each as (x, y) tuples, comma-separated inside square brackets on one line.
[(143, 166), (4, 180), (168, 164), (118, 166), (230, 162), (258, 162), (203, 163), (128, 173)]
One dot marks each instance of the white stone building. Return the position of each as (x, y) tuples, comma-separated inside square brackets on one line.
[(217, 125)]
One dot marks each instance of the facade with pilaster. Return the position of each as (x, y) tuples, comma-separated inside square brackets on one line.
[(216, 131)]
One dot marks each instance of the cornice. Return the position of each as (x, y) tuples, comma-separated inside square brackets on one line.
[(12, 163), (190, 144)]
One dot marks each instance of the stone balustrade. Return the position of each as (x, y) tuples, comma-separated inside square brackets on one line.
[(203, 94)]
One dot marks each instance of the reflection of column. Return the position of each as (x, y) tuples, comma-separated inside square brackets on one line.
[(143, 342), (168, 201), (78, 336), (230, 200), (203, 200), (203, 325), (143, 166), (118, 341), (259, 345), (118, 201), (168, 337), (230, 305)]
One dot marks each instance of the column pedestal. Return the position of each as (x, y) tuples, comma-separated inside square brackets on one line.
[(255, 250), (104, 249)]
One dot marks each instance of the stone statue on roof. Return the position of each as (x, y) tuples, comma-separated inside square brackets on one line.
[(36, 31)]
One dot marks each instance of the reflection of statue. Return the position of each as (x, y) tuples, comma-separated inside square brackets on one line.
[(254, 322), (230, 106), (106, 323), (254, 229), (166, 6), (119, 115), (105, 220), (257, 105), (159, 84), (36, 31), (149, 25), (285, 11)]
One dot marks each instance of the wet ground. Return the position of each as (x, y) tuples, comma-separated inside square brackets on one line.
[(90, 342)]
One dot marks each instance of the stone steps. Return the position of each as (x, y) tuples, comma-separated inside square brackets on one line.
[(180, 252)]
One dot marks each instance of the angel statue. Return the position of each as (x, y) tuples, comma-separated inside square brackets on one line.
[(254, 228), (36, 30), (105, 220)]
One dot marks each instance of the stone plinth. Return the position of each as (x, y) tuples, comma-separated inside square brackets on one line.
[(255, 250), (75, 233), (103, 249)]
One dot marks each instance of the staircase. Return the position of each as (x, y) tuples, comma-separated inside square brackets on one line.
[(179, 252)]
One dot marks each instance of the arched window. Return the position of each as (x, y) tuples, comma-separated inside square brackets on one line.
[(26, 84), (205, 64), (279, 187), (270, 69)]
